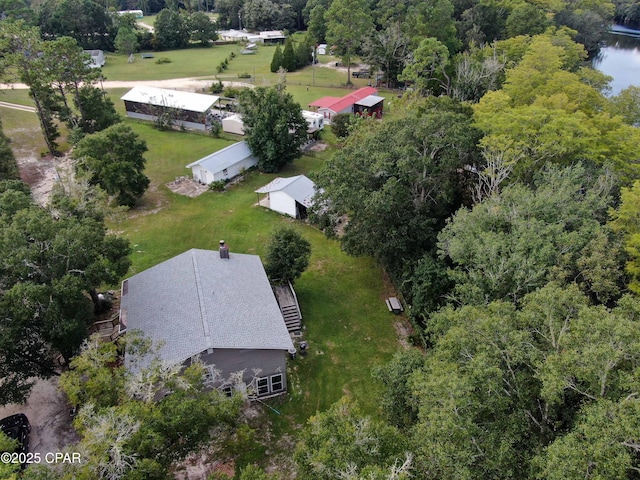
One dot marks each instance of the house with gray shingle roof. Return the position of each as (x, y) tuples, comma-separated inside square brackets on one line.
[(216, 307)]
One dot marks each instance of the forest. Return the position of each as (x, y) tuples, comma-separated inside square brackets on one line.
[(501, 195)]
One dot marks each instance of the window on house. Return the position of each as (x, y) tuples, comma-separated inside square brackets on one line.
[(227, 390), (263, 386), (224, 172), (276, 383)]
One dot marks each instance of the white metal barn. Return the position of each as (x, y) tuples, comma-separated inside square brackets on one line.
[(189, 109), (290, 196), (233, 124), (223, 164)]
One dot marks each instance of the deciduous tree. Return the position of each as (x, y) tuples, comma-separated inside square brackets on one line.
[(274, 126), (114, 160), (287, 256), (348, 24)]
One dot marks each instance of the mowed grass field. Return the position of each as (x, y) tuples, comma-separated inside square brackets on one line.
[(346, 321), (342, 298)]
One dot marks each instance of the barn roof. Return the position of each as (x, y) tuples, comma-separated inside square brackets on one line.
[(370, 101), (300, 188), (194, 102), (339, 104), (228, 156), (197, 301)]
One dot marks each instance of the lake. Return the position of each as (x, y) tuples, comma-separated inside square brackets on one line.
[(620, 58)]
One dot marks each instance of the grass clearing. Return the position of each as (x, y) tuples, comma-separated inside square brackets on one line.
[(347, 323)]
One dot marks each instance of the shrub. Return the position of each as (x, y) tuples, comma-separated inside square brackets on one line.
[(217, 186), (162, 60), (216, 87)]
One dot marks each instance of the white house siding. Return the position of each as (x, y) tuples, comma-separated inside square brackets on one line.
[(282, 203)]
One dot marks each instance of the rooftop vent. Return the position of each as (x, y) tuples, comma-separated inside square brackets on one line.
[(224, 250)]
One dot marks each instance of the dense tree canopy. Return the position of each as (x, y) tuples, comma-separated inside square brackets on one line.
[(114, 160), (396, 182), (8, 165), (274, 126), (84, 20), (51, 266), (516, 241)]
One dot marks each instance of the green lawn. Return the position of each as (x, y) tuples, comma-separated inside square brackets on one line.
[(348, 326)]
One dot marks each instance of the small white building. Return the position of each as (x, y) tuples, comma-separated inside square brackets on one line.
[(96, 58), (233, 124), (290, 196), (322, 49), (315, 121), (223, 164)]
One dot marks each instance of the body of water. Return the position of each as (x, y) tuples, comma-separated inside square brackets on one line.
[(620, 58)]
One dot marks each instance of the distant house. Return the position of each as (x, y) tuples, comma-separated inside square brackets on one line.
[(290, 196), (213, 307), (322, 49), (96, 58), (190, 110), (233, 124), (223, 164), (363, 101), (272, 37), (135, 13)]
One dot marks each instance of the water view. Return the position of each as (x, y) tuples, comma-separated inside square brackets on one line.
[(620, 58)]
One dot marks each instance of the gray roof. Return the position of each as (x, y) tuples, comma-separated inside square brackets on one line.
[(218, 161), (300, 188), (370, 101), (196, 301)]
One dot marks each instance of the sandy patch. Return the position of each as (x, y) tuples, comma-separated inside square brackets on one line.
[(48, 412)]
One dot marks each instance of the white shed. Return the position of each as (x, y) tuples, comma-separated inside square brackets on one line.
[(233, 124), (96, 58), (322, 49), (290, 196), (223, 164)]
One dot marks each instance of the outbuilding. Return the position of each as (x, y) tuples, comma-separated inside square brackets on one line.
[(96, 58), (233, 124), (290, 196), (362, 101), (187, 109), (223, 164)]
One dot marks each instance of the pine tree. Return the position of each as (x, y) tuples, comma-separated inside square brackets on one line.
[(289, 56), (276, 62), (303, 53)]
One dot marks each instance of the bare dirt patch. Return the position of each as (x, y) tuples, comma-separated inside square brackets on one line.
[(187, 186), (48, 412), (41, 174), (318, 147)]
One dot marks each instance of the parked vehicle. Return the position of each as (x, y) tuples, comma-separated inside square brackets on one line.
[(17, 427)]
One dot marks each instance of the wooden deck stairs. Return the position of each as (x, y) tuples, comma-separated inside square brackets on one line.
[(288, 302)]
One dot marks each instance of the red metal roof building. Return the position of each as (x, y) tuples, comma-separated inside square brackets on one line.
[(363, 101)]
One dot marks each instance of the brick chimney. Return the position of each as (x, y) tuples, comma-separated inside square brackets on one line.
[(224, 250)]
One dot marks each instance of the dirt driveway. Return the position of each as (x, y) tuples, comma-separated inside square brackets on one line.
[(48, 413)]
